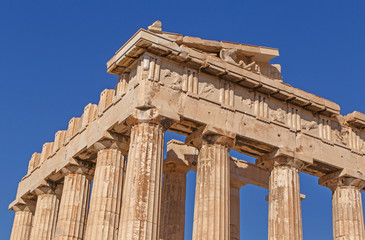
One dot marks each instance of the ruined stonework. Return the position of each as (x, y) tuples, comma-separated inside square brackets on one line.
[(222, 96)]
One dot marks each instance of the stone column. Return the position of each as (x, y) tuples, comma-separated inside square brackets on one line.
[(235, 209), (106, 196), (348, 219), (22, 225), (173, 201), (285, 217), (74, 202), (46, 213), (142, 189), (212, 195)]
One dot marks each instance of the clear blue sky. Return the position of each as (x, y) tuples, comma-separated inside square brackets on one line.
[(52, 63)]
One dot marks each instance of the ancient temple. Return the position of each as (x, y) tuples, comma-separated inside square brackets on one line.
[(222, 96)]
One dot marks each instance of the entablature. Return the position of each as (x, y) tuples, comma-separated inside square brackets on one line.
[(145, 41)]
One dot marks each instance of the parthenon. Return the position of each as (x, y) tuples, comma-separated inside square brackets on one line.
[(222, 96)]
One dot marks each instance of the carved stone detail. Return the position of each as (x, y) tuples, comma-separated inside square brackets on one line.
[(173, 79), (230, 56), (310, 125), (342, 136), (279, 115), (207, 89)]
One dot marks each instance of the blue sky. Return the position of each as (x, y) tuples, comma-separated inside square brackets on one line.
[(52, 64)]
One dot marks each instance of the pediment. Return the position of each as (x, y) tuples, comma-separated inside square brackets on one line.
[(252, 58)]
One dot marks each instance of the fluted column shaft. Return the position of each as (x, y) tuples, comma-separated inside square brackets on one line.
[(106, 196), (22, 225), (142, 189), (348, 219), (45, 217), (73, 206), (235, 211), (212, 195), (173, 202), (285, 218)]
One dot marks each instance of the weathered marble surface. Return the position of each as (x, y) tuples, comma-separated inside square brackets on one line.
[(185, 84), (106, 196)]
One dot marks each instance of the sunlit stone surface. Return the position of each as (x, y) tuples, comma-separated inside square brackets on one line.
[(221, 96)]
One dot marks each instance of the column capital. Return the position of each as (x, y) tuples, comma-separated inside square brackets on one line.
[(271, 163), (26, 205), (340, 179), (211, 135), (113, 141), (150, 115), (86, 168), (50, 187), (174, 166)]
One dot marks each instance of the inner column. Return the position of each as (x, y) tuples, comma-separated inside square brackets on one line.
[(212, 195), (235, 209), (173, 202), (347, 211), (285, 218), (348, 219)]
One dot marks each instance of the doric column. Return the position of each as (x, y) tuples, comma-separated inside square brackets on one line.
[(74, 202), (348, 219), (142, 189), (22, 225), (173, 201), (285, 217), (235, 209), (106, 196), (46, 213), (212, 195)]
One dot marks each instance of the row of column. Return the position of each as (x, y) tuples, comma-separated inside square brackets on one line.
[(69, 217), (135, 213)]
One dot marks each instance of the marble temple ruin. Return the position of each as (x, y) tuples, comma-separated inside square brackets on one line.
[(221, 96)]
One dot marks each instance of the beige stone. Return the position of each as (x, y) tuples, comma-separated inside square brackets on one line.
[(201, 88), (212, 194), (34, 162), (106, 98), (72, 129), (46, 152), (58, 140), (74, 204), (46, 212), (89, 115), (173, 200), (348, 220), (106, 196), (122, 86), (347, 210), (235, 187), (285, 218), (23, 218), (141, 205)]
